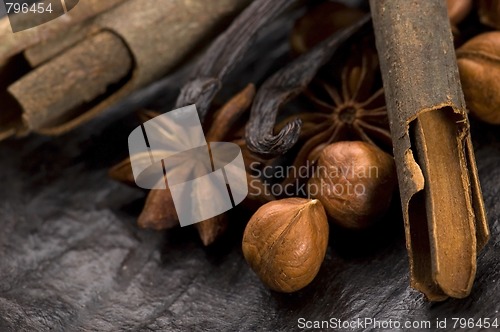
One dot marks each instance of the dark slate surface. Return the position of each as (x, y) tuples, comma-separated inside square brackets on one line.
[(71, 257)]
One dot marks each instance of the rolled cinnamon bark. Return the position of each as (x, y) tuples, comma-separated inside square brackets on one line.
[(49, 94), (14, 43), (59, 43), (441, 197), (156, 35)]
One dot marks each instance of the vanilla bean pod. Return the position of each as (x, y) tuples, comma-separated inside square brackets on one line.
[(226, 52), (283, 86)]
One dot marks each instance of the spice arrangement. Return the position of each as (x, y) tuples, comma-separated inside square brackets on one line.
[(369, 109), (347, 127)]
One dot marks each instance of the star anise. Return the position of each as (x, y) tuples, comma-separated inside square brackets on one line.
[(159, 211), (351, 112), (349, 107)]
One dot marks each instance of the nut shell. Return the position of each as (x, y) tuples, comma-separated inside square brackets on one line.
[(479, 66), (355, 182), (285, 242)]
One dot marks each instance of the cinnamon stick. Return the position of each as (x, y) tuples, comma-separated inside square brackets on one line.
[(59, 43), (441, 198), (50, 92), (14, 43), (153, 49)]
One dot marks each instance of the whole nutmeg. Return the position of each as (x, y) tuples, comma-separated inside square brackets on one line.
[(285, 242), (355, 181), (479, 66)]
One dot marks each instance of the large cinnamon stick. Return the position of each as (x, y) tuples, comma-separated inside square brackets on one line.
[(153, 48), (13, 43), (47, 94), (59, 43), (441, 198)]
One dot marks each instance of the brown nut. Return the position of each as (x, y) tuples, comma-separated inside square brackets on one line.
[(355, 181), (320, 22), (479, 66), (458, 10), (489, 13), (285, 242)]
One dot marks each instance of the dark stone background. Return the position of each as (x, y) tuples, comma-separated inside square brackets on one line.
[(71, 257)]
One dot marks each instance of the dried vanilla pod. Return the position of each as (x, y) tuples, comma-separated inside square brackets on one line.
[(479, 65), (284, 85), (285, 243), (225, 53), (225, 119), (345, 102), (348, 109), (355, 181), (441, 198)]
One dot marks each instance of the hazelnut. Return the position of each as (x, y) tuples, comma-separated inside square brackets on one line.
[(320, 22), (355, 181), (489, 13), (458, 10), (479, 66), (285, 242)]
